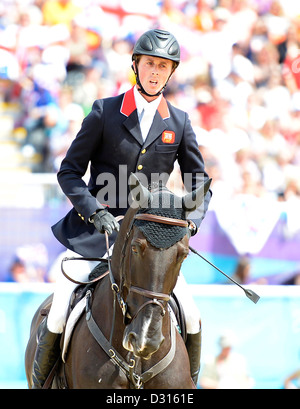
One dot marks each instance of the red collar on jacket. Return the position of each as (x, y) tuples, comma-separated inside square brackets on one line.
[(128, 105)]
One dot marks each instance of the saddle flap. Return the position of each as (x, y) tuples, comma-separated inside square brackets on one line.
[(72, 320)]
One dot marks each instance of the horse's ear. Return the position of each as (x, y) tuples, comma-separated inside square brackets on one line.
[(194, 199), (141, 197)]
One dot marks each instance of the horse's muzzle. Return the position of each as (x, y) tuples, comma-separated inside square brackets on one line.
[(141, 346)]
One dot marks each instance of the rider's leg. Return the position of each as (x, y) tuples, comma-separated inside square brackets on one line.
[(79, 271), (47, 353), (49, 332), (193, 346), (193, 325)]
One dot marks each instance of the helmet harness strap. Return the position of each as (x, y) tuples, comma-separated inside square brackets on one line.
[(141, 88)]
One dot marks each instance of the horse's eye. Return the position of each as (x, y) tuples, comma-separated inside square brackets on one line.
[(138, 246), (134, 249)]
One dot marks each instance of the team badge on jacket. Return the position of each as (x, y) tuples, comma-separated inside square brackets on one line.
[(168, 137)]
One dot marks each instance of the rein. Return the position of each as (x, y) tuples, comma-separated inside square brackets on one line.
[(82, 259)]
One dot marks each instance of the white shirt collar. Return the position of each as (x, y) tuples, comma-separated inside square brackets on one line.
[(141, 103)]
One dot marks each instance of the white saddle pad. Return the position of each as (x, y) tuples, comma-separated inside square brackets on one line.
[(73, 318)]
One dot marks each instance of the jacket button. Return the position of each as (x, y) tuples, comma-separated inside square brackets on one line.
[(143, 151), (140, 167)]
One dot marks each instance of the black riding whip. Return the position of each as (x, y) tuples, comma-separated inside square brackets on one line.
[(249, 293)]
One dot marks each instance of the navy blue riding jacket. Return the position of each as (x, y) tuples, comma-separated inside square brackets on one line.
[(110, 141)]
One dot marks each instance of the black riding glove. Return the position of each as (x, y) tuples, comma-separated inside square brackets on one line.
[(105, 222)]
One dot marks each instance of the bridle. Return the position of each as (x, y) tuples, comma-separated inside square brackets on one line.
[(156, 298), (153, 298)]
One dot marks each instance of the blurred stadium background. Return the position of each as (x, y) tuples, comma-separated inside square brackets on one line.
[(239, 79)]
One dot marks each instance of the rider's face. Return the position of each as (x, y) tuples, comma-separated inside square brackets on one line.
[(154, 72)]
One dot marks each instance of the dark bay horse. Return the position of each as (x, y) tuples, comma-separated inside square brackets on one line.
[(126, 337)]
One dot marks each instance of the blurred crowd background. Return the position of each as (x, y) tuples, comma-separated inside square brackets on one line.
[(239, 80)]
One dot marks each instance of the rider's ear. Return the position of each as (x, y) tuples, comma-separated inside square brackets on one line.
[(134, 67)]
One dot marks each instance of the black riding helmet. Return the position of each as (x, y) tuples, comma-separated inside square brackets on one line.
[(156, 43)]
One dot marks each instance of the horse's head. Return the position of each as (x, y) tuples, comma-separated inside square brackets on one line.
[(155, 243)]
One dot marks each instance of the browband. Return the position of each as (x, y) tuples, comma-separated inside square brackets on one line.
[(160, 219)]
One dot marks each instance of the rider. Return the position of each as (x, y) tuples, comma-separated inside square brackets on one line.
[(116, 141)]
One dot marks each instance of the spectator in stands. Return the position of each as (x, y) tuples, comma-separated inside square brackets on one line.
[(29, 264), (242, 272), (60, 12), (228, 370), (293, 381), (294, 280), (77, 45), (18, 272)]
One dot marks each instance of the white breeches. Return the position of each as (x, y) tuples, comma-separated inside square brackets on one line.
[(80, 270), (191, 312)]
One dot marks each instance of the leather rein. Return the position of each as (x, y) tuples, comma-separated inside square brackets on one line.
[(154, 298)]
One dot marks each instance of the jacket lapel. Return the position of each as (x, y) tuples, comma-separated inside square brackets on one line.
[(133, 126), (128, 108), (131, 123)]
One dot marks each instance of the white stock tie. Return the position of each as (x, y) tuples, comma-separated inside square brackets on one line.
[(146, 119)]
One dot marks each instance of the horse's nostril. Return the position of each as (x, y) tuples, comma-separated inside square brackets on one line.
[(132, 339), (143, 349)]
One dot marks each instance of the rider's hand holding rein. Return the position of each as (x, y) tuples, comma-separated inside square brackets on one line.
[(104, 222)]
